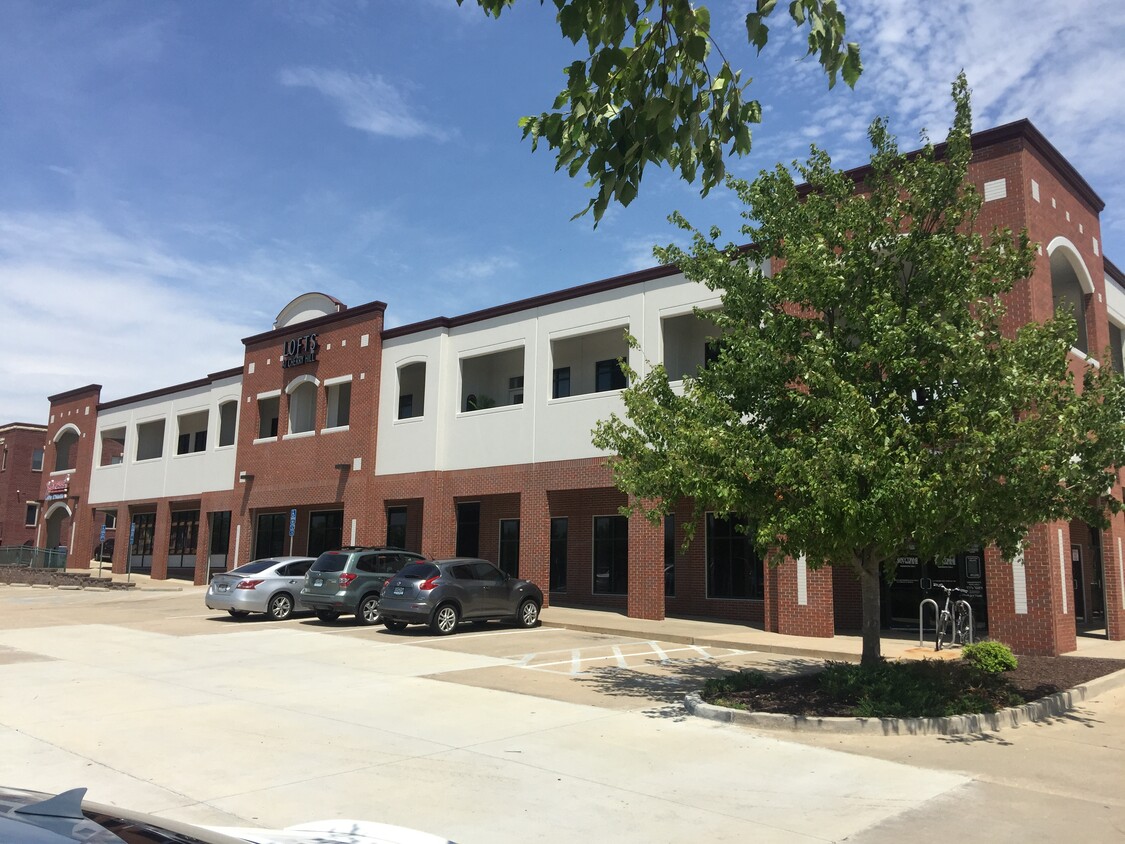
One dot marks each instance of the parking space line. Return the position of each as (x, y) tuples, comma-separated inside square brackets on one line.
[(660, 654), (621, 663), (576, 659)]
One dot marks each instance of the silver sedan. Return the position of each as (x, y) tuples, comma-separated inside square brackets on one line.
[(271, 586)]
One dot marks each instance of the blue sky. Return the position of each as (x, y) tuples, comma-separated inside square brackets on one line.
[(173, 173)]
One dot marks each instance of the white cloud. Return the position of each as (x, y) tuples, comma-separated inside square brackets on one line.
[(368, 103)]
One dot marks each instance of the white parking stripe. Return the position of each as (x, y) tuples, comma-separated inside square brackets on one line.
[(576, 658), (575, 661), (660, 654), (621, 663)]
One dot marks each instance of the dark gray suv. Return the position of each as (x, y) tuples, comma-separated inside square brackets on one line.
[(442, 593), (351, 580)]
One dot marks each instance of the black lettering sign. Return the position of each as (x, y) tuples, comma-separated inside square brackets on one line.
[(298, 351)]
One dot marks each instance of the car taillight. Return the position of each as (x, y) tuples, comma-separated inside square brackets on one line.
[(247, 584), (346, 579), (427, 585)]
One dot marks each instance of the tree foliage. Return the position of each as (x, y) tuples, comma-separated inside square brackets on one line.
[(865, 403), (652, 91)]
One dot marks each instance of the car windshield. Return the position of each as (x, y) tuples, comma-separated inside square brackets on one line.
[(253, 568), (330, 562), (419, 571)]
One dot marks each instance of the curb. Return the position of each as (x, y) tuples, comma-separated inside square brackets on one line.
[(1038, 710)]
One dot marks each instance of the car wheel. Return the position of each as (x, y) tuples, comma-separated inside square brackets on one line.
[(238, 613), (368, 611), (396, 626), (327, 615), (280, 607), (445, 619), (528, 613)]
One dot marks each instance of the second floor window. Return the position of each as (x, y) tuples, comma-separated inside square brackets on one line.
[(608, 376)]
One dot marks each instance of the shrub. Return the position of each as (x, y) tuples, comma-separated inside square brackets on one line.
[(718, 687), (990, 657)]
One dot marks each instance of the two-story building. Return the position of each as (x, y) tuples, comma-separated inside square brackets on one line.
[(470, 435)]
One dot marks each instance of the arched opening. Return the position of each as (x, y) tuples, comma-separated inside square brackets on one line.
[(54, 520), (66, 449), (302, 405), (1071, 287)]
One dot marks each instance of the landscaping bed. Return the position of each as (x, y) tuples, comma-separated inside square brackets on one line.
[(908, 689), (56, 577)]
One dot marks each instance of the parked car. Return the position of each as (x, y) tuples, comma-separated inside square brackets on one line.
[(351, 581), (103, 552), (272, 586), (443, 593), (32, 817)]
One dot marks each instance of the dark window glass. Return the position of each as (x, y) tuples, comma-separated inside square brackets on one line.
[(560, 389), (462, 572), (406, 406), (326, 531), (734, 569), (487, 571), (220, 532), (468, 530), (396, 527), (269, 539), (419, 571), (37, 460), (183, 444), (254, 567), (611, 555), (330, 562), (200, 440), (1115, 352), (608, 376), (32, 512), (670, 555), (559, 529), (182, 538), (143, 529), (297, 569), (510, 546)]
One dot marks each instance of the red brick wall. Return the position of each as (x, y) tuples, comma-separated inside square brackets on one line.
[(79, 409), (19, 485)]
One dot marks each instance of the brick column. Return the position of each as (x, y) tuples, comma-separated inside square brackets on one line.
[(439, 523), (160, 536), (1113, 577), (1031, 606), (535, 539), (203, 548), (646, 569), (803, 600)]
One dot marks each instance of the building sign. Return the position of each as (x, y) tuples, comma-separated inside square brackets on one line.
[(57, 488), (299, 351)]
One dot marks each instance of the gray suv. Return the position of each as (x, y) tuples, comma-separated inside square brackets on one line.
[(351, 580), (442, 593)]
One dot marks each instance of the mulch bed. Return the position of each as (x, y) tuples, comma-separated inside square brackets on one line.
[(1034, 678)]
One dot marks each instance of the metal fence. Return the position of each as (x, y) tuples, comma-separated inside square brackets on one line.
[(36, 558)]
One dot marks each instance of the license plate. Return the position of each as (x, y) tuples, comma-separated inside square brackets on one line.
[(318, 582), (397, 590)]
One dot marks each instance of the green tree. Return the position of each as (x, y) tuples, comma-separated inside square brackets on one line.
[(865, 402), (651, 91)]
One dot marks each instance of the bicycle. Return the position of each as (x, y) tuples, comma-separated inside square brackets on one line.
[(953, 624)]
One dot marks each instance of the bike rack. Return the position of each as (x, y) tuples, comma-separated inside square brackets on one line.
[(967, 607), (921, 612)]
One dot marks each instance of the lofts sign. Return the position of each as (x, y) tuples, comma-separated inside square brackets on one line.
[(57, 488), (299, 351)]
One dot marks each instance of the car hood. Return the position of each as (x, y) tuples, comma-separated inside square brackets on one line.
[(333, 832)]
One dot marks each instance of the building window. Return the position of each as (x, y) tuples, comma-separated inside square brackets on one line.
[(688, 344), (37, 459), (267, 417), (183, 535), (113, 447), (326, 531), (560, 383), (4, 464), (734, 569), (608, 375), (192, 435), (412, 390), (468, 530), (1069, 295), (670, 555), (1115, 350), (339, 400), (487, 380), (143, 530), (110, 519), (228, 422), (66, 451), (150, 440), (220, 537), (611, 555), (509, 561), (559, 528), (396, 527), (269, 538), (31, 515), (302, 407)]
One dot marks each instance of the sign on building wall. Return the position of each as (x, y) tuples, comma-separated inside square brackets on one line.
[(299, 351), (57, 488)]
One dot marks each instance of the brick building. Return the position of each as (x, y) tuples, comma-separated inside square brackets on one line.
[(21, 470), (471, 435)]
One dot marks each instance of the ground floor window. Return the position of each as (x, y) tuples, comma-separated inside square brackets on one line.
[(182, 538), (31, 515), (141, 532), (510, 547), (557, 555), (734, 569), (468, 529), (611, 555), (396, 527), (220, 538), (269, 538), (326, 531)]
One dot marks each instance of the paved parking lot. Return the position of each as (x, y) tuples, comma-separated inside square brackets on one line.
[(492, 735)]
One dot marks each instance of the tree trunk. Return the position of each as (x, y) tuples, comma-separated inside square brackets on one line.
[(868, 570)]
